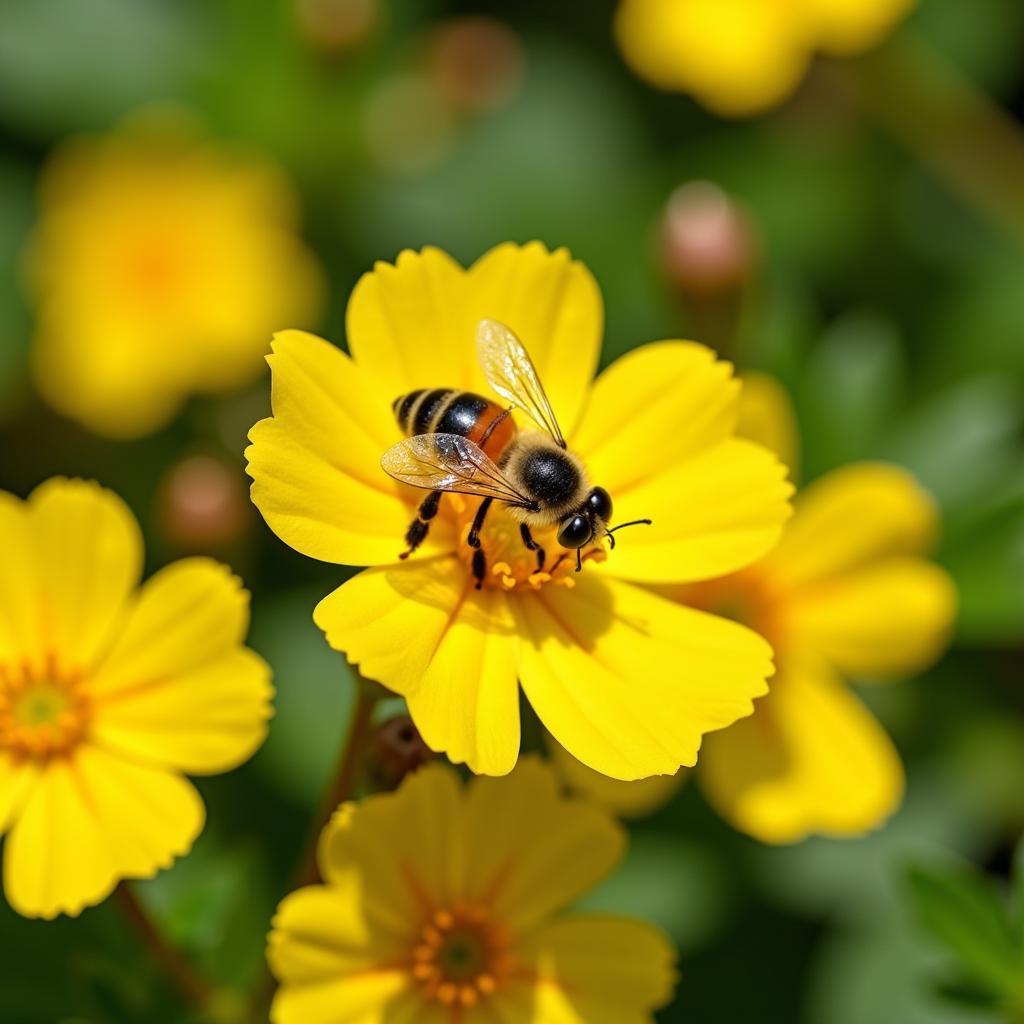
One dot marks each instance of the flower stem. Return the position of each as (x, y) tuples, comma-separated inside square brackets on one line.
[(340, 788), (192, 986), (343, 782), (961, 134)]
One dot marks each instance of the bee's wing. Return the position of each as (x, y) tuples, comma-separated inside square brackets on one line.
[(449, 462), (510, 371)]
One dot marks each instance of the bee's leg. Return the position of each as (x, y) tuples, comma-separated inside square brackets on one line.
[(420, 526), (473, 540), (532, 545)]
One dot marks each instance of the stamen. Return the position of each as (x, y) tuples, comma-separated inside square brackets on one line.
[(460, 956)]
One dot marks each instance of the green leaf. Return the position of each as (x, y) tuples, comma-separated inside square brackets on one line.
[(964, 912)]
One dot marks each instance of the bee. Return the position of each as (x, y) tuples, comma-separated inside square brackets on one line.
[(463, 443)]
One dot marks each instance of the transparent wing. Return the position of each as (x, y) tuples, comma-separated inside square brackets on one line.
[(511, 373), (448, 462)]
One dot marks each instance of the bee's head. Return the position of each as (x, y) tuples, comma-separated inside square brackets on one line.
[(580, 526)]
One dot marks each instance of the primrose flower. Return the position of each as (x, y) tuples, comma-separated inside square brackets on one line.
[(847, 592), (107, 696), (444, 904), (625, 679), (744, 56), (159, 264)]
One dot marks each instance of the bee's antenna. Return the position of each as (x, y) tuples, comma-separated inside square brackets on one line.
[(579, 560), (632, 522)]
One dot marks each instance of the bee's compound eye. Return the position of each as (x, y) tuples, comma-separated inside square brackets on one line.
[(599, 501), (575, 532)]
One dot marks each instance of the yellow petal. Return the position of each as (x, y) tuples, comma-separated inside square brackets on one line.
[(852, 26), (405, 850), (21, 625), (185, 617), (90, 821), (736, 56), (889, 619), (321, 933), (315, 464), (89, 368), (531, 851), (628, 682), (553, 304), (409, 326), (712, 514), (811, 759), (598, 969), (17, 779), (203, 721), (423, 631), (767, 417), (377, 997), (654, 408), (849, 518), (626, 800), (88, 557)]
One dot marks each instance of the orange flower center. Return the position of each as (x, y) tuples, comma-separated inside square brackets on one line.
[(44, 713), (511, 565), (460, 957)]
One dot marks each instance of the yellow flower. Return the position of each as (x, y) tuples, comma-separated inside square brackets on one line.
[(107, 696), (744, 56), (625, 679), (847, 592), (443, 905), (159, 267)]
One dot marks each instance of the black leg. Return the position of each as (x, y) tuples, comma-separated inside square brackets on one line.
[(473, 540), (420, 526), (532, 545), (579, 559)]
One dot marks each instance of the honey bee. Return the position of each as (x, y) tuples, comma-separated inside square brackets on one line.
[(463, 443)]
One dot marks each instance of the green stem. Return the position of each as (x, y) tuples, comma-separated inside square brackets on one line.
[(341, 787), (961, 134), (192, 986)]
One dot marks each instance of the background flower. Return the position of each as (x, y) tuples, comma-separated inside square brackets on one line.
[(108, 696), (160, 265), (744, 56), (462, 916)]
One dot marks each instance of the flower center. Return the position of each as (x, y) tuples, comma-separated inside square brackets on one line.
[(461, 956), (42, 713), (511, 565)]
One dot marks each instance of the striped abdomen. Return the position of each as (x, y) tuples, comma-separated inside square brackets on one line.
[(447, 411)]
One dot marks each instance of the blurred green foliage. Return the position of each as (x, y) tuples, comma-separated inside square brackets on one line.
[(892, 311)]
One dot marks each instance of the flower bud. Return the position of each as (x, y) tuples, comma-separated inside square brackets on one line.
[(476, 63), (708, 243), (203, 505), (397, 750)]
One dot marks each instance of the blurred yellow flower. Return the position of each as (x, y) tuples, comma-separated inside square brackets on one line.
[(847, 592), (160, 266), (744, 56), (108, 696), (444, 904), (624, 679)]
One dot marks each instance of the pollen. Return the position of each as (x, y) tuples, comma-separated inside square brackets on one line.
[(43, 710), (511, 565), (460, 957)]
